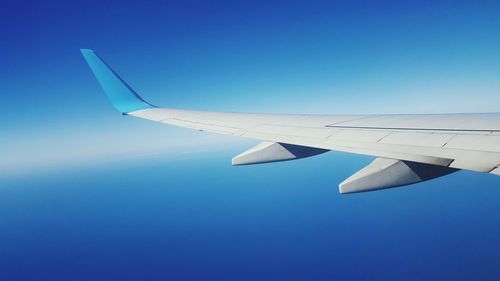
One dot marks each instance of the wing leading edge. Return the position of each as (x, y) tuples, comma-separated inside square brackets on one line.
[(409, 147)]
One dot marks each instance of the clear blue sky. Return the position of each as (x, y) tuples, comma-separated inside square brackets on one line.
[(88, 194)]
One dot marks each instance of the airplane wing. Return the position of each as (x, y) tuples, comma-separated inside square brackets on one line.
[(409, 148)]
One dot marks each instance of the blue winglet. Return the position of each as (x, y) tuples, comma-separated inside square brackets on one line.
[(121, 95)]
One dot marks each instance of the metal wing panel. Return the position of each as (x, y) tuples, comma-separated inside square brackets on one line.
[(474, 150), (429, 122), (424, 139), (243, 120), (475, 142)]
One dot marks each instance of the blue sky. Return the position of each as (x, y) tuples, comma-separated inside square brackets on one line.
[(293, 56), (86, 193)]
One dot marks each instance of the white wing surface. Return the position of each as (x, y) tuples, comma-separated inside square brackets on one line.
[(410, 148)]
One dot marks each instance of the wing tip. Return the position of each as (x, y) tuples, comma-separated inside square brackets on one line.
[(121, 95)]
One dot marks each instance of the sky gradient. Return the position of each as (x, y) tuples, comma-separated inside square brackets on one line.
[(78, 180), (293, 57)]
